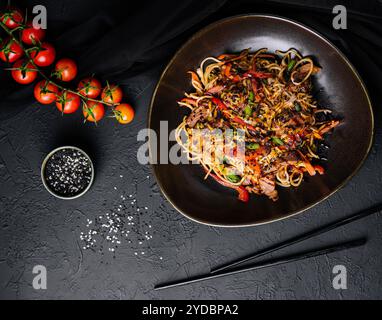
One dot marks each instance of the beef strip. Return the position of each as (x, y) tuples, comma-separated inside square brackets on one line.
[(199, 113), (267, 186)]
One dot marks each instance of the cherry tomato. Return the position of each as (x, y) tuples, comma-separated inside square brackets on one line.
[(45, 57), (12, 18), (68, 102), (24, 72), (89, 87), (11, 51), (93, 111), (66, 69), (45, 92), (124, 113), (30, 35), (112, 94)]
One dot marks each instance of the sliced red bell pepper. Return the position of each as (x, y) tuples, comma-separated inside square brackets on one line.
[(319, 169), (242, 122), (220, 104), (227, 70), (189, 100), (236, 78), (243, 193), (311, 170)]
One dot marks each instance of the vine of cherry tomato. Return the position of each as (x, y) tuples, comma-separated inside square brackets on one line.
[(31, 35), (45, 92), (44, 56), (12, 18), (112, 94), (10, 51), (124, 113), (65, 69), (68, 102), (23, 72), (93, 111), (90, 87), (26, 50)]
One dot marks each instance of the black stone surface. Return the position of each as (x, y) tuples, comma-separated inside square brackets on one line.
[(130, 44)]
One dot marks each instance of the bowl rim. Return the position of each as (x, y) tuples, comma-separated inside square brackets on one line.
[(298, 24), (47, 157)]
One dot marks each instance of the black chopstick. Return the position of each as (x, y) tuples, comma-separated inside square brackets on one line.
[(299, 238), (266, 264)]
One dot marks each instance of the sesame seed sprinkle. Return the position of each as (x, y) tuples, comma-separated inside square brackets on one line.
[(122, 224)]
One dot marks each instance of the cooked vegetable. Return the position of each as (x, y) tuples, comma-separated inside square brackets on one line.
[(253, 146), (277, 141), (248, 111), (233, 178), (291, 65)]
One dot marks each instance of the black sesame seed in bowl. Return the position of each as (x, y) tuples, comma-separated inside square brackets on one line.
[(67, 172)]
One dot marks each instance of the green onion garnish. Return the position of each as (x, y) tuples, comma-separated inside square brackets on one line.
[(233, 178), (291, 65), (277, 141), (253, 146)]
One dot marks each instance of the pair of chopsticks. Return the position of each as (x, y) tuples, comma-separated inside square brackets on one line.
[(234, 266)]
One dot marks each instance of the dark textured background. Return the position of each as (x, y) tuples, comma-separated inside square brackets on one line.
[(130, 42)]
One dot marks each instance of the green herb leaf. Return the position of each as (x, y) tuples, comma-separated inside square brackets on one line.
[(251, 96), (297, 107), (253, 146), (248, 111), (233, 178), (291, 65), (277, 141)]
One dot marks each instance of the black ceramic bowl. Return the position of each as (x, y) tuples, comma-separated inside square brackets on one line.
[(67, 172), (343, 90)]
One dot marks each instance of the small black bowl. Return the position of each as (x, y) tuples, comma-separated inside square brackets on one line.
[(78, 180)]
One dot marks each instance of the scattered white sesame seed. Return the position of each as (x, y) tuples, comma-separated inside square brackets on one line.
[(115, 225)]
